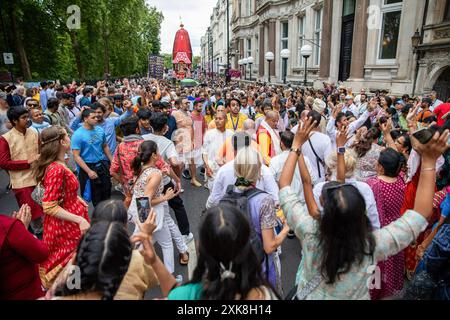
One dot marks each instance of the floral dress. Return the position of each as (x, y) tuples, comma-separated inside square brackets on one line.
[(366, 166), (139, 191), (60, 236)]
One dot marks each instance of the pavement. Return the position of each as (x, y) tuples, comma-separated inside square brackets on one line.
[(194, 201)]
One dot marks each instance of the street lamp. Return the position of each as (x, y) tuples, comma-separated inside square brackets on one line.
[(244, 63), (269, 57), (415, 42), (306, 52), (250, 61), (285, 53)]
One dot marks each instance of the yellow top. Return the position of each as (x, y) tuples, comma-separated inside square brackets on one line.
[(236, 123)]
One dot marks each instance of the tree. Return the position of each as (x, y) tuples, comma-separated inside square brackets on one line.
[(115, 37)]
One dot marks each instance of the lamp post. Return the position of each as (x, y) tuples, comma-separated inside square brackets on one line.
[(415, 42), (285, 53), (269, 57), (250, 61), (244, 63), (306, 52)]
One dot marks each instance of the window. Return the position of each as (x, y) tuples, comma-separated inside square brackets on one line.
[(249, 47), (284, 35), (447, 11), (391, 13), (317, 35), (301, 37), (249, 7)]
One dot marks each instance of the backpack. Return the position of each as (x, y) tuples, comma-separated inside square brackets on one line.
[(241, 202)]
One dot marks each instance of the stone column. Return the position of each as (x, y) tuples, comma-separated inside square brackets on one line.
[(359, 40), (261, 50), (325, 51), (272, 45)]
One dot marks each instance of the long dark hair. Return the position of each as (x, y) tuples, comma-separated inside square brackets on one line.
[(111, 211), (146, 150), (103, 256), (224, 238), (391, 161), (345, 230), (365, 144)]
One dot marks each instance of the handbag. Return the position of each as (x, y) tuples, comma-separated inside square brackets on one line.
[(300, 294), (38, 193)]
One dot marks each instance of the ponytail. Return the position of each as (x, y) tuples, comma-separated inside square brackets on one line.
[(146, 150)]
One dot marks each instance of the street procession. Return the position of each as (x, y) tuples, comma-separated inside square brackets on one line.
[(228, 150)]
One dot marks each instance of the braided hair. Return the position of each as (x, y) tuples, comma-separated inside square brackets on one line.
[(103, 256)]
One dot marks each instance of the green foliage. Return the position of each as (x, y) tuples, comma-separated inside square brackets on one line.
[(115, 37)]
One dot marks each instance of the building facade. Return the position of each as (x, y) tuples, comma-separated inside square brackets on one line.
[(215, 60), (360, 43)]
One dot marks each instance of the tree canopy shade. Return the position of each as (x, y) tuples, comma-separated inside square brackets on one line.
[(115, 37)]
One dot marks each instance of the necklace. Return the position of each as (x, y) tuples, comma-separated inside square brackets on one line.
[(235, 126)]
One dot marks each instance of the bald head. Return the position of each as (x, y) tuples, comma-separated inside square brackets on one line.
[(249, 124), (272, 118)]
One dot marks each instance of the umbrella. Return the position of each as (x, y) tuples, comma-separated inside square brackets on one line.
[(189, 83)]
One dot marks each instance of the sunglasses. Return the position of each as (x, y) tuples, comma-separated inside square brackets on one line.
[(32, 105)]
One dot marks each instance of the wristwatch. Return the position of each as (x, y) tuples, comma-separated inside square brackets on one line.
[(341, 150), (297, 151)]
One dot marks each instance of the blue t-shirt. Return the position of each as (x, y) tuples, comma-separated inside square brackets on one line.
[(90, 143)]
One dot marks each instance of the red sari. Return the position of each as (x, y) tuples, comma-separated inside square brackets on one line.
[(408, 204), (60, 236)]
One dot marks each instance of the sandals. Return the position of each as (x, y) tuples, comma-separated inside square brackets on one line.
[(184, 262)]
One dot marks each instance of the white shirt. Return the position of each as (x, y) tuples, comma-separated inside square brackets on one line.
[(323, 147), (352, 108), (331, 128), (166, 149), (276, 166), (212, 141), (247, 110), (366, 192), (436, 103), (225, 177)]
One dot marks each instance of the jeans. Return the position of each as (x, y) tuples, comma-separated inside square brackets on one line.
[(100, 187)]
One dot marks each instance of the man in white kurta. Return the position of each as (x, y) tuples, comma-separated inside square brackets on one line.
[(213, 140)]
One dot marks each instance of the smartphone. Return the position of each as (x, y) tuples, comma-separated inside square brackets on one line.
[(143, 208), (424, 135)]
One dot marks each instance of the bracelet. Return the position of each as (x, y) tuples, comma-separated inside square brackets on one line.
[(428, 169)]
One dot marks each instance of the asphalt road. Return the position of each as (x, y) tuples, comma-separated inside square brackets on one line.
[(194, 201)]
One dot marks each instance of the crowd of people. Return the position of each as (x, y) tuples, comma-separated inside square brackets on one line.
[(362, 179)]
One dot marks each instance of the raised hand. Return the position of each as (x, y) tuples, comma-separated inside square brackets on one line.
[(434, 148), (342, 137), (24, 215), (412, 113), (303, 132), (149, 225)]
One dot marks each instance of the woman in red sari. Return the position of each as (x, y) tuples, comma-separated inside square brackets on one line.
[(66, 214)]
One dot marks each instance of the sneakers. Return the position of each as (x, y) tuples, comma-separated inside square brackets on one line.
[(188, 237), (179, 278), (119, 188), (186, 174), (291, 234)]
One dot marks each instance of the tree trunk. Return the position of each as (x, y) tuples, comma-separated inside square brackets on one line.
[(18, 43), (76, 52), (106, 55)]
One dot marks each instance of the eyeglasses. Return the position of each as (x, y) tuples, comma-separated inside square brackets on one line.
[(32, 105)]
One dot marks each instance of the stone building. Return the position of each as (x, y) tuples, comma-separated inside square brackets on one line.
[(361, 43), (218, 27)]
